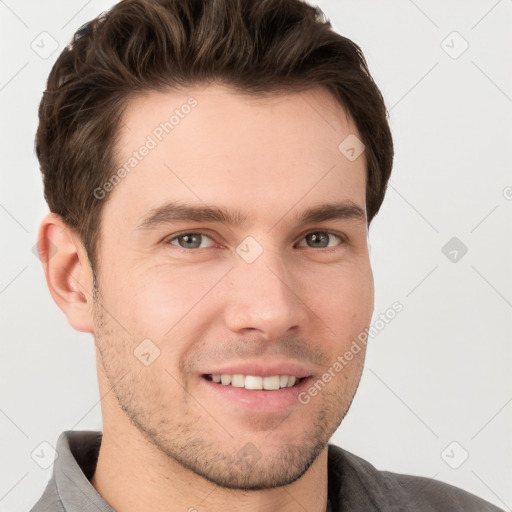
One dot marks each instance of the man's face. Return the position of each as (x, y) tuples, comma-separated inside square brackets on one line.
[(269, 296)]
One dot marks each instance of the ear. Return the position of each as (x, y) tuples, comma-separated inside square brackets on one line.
[(67, 270)]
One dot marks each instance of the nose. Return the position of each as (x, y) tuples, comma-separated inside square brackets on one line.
[(263, 296)]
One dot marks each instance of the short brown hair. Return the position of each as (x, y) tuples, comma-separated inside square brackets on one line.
[(255, 46)]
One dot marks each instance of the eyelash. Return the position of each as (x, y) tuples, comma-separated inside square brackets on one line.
[(341, 236)]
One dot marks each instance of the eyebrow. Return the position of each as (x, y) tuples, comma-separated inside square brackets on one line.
[(174, 212)]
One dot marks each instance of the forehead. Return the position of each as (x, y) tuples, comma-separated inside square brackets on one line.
[(215, 146)]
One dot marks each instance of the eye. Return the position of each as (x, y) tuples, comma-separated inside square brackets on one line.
[(190, 240), (322, 239)]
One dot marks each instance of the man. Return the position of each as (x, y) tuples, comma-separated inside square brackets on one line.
[(212, 168)]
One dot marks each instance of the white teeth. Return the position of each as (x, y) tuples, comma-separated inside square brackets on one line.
[(255, 382), (271, 382), (238, 381)]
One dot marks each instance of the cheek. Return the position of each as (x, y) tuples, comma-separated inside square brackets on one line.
[(165, 297), (342, 297)]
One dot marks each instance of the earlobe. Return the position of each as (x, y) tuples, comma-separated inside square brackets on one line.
[(67, 271)]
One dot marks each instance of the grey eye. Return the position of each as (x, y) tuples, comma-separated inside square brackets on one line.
[(321, 239), (191, 240)]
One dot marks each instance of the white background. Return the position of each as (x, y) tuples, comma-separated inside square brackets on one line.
[(440, 371)]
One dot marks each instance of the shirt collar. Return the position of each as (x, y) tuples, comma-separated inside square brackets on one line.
[(77, 454)]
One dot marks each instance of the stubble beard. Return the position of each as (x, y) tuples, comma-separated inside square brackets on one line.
[(209, 451)]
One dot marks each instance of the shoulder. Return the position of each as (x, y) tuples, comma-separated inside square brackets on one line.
[(429, 494), (360, 486)]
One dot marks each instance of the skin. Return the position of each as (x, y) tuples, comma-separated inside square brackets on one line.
[(167, 445)]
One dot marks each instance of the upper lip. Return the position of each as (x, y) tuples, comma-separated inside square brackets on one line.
[(261, 369)]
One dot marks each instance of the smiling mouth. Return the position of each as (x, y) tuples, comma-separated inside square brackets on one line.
[(255, 382)]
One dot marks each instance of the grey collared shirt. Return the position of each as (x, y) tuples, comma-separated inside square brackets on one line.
[(354, 485), (70, 489)]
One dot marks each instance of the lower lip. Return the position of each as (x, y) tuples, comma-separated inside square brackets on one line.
[(260, 400)]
